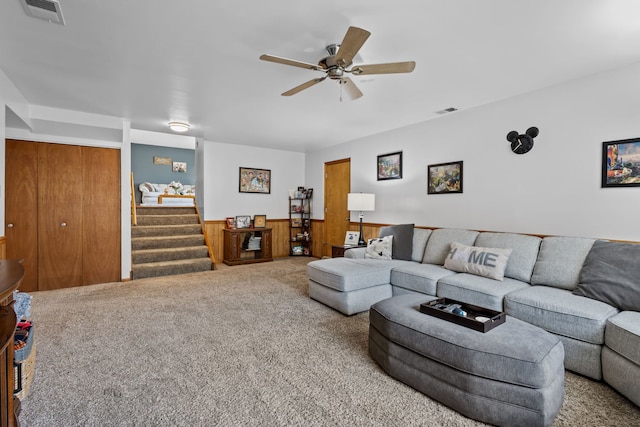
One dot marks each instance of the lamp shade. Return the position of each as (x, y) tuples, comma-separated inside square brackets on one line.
[(361, 202)]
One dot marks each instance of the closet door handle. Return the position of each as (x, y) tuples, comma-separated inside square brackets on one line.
[(9, 225), (63, 224)]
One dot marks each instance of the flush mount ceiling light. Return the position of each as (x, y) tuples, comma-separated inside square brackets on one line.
[(179, 126)]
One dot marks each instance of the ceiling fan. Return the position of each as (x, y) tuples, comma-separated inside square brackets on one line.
[(336, 65)]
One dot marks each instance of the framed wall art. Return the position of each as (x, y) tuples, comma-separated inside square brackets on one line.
[(162, 160), (259, 221), (231, 223), (621, 163), (243, 221), (255, 180), (444, 178), (180, 167), (390, 166)]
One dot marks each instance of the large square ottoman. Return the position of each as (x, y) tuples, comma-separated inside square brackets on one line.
[(511, 375), (349, 285)]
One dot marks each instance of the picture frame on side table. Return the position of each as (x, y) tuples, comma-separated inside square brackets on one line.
[(351, 238), (259, 221), (243, 221), (255, 180), (444, 178), (621, 163), (390, 166), (231, 223)]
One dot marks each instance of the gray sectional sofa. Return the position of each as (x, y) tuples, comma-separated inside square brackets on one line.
[(584, 291)]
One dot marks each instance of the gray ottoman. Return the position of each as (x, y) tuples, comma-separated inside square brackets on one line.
[(349, 285), (511, 375)]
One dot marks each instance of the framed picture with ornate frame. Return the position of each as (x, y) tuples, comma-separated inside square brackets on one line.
[(259, 221), (621, 163), (444, 178), (255, 180), (390, 166)]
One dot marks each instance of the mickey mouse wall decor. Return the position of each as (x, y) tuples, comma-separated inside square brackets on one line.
[(521, 144)]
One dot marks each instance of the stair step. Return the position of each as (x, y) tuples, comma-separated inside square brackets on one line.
[(158, 255), (168, 219), (165, 230), (159, 210), (153, 242), (168, 268)]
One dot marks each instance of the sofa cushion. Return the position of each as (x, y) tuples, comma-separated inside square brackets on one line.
[(477, 290), (622, 335), (345, 274), (523, 257), (380, 248), (146, 187), (420, 238), (487, 262), (439, 243), (402, 247), (560, 312), (611, 274), (421, 278), (560, 261)]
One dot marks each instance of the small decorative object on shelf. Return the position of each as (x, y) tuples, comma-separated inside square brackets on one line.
[(300, 241)]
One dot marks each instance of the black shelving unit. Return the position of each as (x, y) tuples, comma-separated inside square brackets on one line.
[(300, 243)]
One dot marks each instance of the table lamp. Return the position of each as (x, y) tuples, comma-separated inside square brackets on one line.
[(361, 202)]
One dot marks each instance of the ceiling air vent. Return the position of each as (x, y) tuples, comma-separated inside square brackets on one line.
[(44, 9)]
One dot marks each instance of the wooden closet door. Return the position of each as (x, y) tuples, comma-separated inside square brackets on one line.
[(59, 216), (101, 215), (21, 208)]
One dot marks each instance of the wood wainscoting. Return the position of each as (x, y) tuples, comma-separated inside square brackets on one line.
[(280, 233)]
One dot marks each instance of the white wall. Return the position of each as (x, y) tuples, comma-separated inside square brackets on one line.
[(222, 162), (554, 189)]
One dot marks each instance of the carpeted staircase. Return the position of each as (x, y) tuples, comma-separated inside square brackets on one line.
[(166, 241)]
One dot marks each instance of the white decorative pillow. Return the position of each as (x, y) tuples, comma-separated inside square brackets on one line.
[(146, 187), (487, 262), (379, 248)]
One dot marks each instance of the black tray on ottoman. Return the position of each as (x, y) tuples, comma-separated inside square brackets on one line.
[(473, 312)]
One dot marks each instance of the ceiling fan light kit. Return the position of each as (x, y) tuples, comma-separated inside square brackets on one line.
[(179, 126), (337, 64)]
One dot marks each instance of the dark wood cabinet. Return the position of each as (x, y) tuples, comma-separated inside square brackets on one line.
[(337, 251), (11, 276), (247, 245)]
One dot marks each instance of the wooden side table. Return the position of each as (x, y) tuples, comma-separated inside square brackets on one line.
[(338, 250)]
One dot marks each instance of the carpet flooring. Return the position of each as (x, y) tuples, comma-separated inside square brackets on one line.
[(238, 346)]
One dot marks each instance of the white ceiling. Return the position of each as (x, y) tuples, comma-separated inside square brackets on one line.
[(152, 61)]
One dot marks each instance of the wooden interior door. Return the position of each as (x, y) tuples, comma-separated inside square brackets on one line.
[(60, 194), (337, 184), (21, 208), (100, 215)]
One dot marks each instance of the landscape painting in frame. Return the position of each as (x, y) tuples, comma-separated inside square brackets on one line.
[(621, 163), (255, 180), (390, 166), (444, 178)]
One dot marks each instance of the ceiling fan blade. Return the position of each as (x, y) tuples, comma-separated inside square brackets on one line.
[(350, 88), (351, 44), (303, 86), (293, 62), (393, 67)]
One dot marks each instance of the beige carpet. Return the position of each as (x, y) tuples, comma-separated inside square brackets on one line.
[(239, 346)]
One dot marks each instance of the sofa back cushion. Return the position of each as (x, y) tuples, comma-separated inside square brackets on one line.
[(420, 238), (439, 243), (402, 240), (523, 256), (611, 274), (560, 261)]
